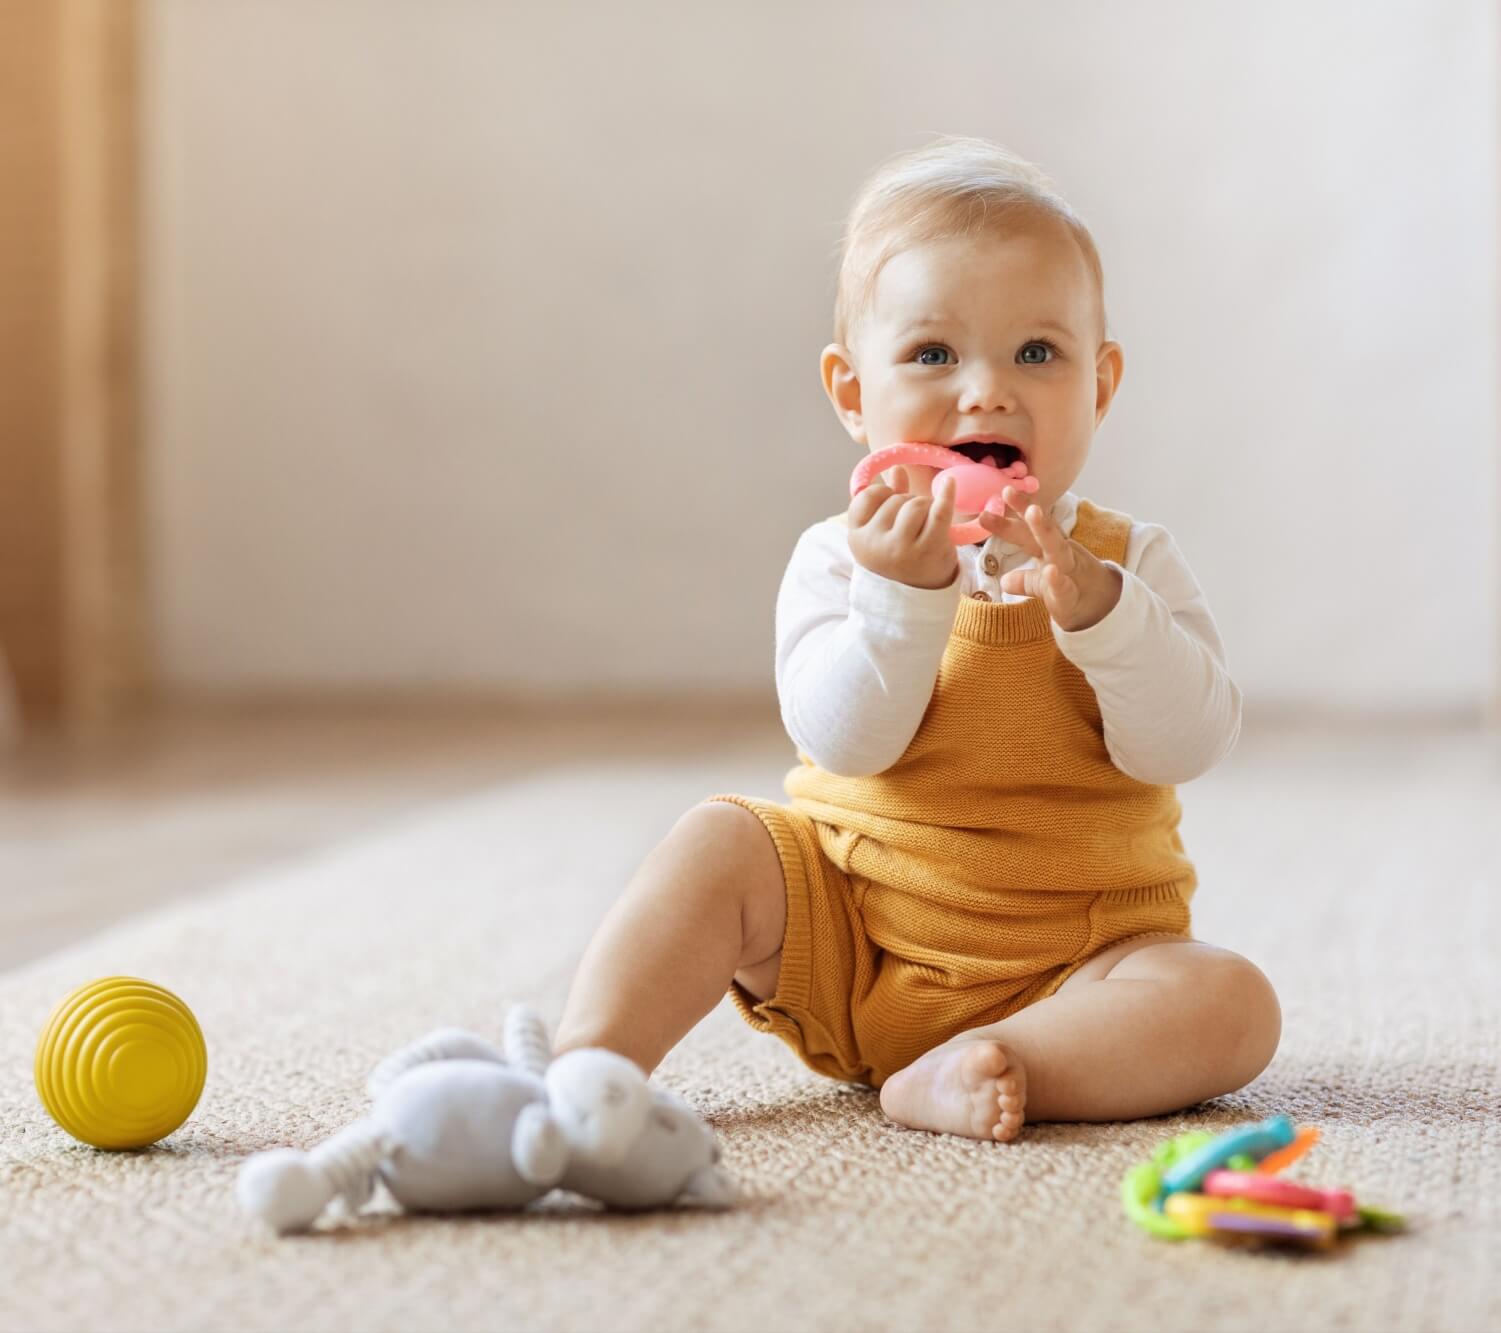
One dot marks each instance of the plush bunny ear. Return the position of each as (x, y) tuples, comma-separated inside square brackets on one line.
[(527, 1045), (443, 1044)]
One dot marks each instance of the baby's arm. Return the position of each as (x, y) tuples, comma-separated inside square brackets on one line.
[(857, 654), (1171, 711)]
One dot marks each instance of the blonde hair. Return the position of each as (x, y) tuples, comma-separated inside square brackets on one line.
[(954, 186)]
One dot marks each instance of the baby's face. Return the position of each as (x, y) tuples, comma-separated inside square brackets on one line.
[(981, 336)]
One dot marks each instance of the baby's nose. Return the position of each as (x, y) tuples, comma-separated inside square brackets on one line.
[(987, 390)]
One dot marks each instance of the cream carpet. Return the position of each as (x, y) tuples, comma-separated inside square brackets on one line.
[(1365, 878)]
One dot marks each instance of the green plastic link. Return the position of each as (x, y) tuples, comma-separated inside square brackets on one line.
[(1139, 1196), (1380, 1219), (1142, 1186), (1177, 1148)]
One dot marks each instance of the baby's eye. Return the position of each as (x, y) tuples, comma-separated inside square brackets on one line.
[(938, 348), (1042, 343)]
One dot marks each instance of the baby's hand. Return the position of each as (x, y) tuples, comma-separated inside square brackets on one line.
[(1077, 589), (905, 537)]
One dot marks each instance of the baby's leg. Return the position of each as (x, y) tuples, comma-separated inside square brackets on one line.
[(708, 905), (1149, 1026)]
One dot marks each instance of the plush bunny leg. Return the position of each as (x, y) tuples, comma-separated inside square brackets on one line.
[(539, 1149), (527, 1046), (288, 1189), (443, 1044), (710, 1187)]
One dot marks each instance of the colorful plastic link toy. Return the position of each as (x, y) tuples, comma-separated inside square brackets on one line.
[(1226, 1187), (977, 486)]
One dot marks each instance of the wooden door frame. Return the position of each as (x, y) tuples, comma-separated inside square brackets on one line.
[(71, 585)]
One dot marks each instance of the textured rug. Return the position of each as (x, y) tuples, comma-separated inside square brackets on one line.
[(1366, 883)]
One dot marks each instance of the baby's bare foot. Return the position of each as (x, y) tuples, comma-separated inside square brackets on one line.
[(974, 1087)]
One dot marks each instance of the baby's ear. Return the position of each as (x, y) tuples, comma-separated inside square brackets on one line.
[(1109, 367), (842, 384)]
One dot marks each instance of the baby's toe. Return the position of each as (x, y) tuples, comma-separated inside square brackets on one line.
[(1008, 1126), (984, 1064), (1011, 1102)]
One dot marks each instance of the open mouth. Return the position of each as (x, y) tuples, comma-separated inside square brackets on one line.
[(1003, 454)]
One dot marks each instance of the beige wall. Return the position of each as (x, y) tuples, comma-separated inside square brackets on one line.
[(482, 339)]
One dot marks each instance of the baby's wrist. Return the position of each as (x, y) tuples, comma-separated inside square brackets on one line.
[(922, 580), (926, 586), (1102, 594)]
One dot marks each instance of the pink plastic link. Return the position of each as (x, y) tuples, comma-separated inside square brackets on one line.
[(1280, 1192), (977, 486)]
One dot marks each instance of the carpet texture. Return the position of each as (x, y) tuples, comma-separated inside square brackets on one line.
[(1371, 901)]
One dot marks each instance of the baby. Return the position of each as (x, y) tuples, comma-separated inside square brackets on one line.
[(976, 898)]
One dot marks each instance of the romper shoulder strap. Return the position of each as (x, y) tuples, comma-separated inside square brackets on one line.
[(1102, 532)]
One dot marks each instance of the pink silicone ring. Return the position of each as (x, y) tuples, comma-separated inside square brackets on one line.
[(977, 486)]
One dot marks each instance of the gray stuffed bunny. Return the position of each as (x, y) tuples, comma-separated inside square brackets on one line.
[(457, 1125), (453, 1127)]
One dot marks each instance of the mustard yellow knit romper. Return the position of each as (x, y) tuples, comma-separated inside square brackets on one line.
[(967, 881)]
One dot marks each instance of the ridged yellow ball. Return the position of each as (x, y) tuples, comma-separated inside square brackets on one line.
[(120, 1063)]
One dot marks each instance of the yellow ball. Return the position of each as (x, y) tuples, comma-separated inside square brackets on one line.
[(120, 1063)]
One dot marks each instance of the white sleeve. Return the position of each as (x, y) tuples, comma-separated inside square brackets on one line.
[(857, 655), (1157, 667)]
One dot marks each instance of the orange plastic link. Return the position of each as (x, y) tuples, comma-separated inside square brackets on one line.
[(1272, 1163)]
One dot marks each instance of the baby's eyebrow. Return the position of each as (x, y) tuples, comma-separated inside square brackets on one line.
[(938, 321), (926, 322)]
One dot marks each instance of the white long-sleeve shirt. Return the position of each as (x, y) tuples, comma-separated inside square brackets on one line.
[(857, 654)]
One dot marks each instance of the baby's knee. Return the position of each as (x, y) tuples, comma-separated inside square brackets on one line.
[(749, 869), (730, 849), (1249, 1012), (720, 835)]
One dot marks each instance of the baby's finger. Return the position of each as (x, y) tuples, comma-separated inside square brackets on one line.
[(1011, 529), (941, 515), (1059, 592), (943, 496), (867, 502), (895, 509), (1015, 499), (1049, 536), (1021, 582), (882, 515), (911, 517), (1011, 503)]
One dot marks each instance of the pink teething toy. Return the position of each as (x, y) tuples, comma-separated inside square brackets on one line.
[(977, 486)]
